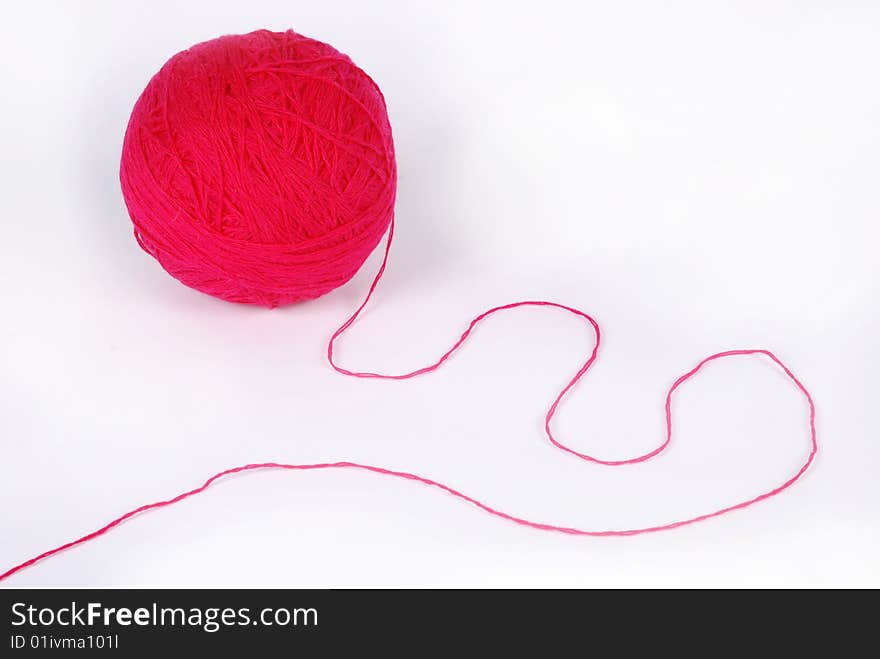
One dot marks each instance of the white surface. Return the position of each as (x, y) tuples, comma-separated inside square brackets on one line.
[(699, 176)]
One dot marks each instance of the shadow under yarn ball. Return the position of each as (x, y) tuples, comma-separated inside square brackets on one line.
[(259, 168)]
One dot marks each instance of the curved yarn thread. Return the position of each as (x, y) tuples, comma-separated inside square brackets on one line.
[(344, 464)]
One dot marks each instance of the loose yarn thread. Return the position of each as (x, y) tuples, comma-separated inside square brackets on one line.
[(257, 291), (814, 447)]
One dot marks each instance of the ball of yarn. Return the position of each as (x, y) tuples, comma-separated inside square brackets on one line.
[(259, 168)]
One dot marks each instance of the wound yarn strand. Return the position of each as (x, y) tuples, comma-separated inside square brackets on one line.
[(542, 526)]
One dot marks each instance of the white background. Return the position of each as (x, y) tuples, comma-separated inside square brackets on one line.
[(698, 175)]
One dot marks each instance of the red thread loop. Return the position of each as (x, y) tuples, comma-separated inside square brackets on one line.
[(550, 413)]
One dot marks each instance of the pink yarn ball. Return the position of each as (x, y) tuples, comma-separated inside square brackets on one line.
[(259, 168)]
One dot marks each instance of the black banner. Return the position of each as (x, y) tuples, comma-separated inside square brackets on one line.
[(408, 623)]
